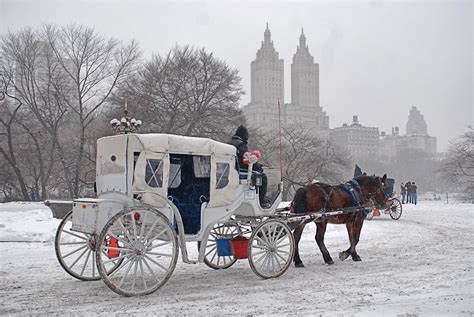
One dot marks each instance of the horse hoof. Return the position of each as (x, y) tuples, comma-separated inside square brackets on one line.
[(343, 255), (330, 262), (299, 264), (356, 258)]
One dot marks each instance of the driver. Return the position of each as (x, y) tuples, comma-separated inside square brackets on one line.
[(240, 140)]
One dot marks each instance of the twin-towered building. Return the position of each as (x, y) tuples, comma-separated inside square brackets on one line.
[(304, 111), (267, 90)]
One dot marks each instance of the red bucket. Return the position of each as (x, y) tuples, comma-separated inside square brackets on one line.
[(376, 213), (240, 247)]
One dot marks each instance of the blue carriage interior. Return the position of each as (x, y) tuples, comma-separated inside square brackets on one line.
[(189, 187)]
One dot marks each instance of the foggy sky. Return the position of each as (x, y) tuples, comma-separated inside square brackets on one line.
[(377, 58)]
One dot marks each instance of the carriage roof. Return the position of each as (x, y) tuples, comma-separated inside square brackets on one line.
[(117, 162), (169, 143)]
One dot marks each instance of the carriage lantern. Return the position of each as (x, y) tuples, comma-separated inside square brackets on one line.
[(126, 124)]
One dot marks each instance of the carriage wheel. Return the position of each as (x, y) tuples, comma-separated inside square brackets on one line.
[(395, 209), (75, 252), (271, 249), (148, 246), (220, 230)]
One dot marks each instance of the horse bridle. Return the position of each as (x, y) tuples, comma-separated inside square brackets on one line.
[(371, 195)]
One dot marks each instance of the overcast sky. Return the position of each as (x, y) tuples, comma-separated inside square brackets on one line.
[(377, 58)]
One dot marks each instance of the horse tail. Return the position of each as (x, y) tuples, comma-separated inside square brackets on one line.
[(299, 202)]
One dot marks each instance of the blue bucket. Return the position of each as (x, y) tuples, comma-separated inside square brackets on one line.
[(223, 247)]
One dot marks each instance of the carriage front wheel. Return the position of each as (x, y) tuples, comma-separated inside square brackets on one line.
[(148, 245), (271, 248), (395, 209)]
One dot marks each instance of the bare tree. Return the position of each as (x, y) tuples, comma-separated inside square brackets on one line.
[(188, 92), (36, 81), (459, 166), (8, 132), (305, 157), (93, 66), (62, 77)]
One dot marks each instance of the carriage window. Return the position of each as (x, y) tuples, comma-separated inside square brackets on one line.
[(222, 175), (202, 166), (154, 172), (175, 175)]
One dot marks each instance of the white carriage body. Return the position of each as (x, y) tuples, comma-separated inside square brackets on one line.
[(136, 169)]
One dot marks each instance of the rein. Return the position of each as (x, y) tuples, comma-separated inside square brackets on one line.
[(293, 182)]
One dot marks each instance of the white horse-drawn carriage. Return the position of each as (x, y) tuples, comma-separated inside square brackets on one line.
[(156, 192)]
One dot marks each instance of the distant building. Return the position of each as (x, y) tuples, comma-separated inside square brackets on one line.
[(357, 140), (416, 124), (267, 88), (416, 137)]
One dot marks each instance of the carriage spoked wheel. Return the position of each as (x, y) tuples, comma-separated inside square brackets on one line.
[(395, 209), (220, 231), (271, 248), (76, 252), (148, 246)]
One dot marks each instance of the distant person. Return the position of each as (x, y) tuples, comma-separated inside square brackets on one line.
[(240, 140), (413, 193), (402, 192), (408, 192)]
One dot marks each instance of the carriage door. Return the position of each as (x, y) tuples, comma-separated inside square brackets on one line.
[(188, 188), (150, 179)]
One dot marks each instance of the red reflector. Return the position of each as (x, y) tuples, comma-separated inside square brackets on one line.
[(136, 216), (113, 253)]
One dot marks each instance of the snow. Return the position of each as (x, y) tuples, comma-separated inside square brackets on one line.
[(421, 264)]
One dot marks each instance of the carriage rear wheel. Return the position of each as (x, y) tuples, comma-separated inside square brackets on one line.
[(220, 231), (148, 245), (75, 252), (271, 248), (395, 209)]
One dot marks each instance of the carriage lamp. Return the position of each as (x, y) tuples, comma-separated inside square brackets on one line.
[(126, 124)]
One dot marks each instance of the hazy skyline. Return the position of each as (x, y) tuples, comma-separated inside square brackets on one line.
[(377, 59)]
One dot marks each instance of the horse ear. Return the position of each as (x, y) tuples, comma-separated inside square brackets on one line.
[(384, 178)]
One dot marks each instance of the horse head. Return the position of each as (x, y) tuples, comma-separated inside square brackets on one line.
[(372, 187)]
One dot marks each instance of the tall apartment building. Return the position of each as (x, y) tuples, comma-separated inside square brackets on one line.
[(267, 88), (304, 109), (355, 139)]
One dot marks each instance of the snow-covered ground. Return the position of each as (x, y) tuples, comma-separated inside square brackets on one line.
[(420, 265)]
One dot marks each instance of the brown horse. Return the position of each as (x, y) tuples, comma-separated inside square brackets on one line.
[(324, 197)]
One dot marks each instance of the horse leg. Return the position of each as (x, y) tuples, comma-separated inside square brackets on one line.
[(320, 231), (297, 235), (345, 254), (356, 229)]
